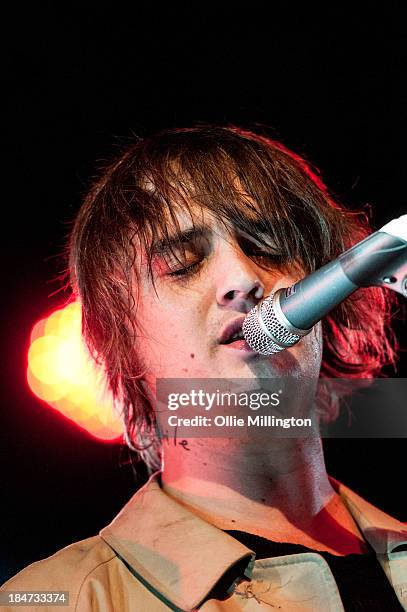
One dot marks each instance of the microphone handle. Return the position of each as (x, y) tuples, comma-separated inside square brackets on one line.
[(370, 262)]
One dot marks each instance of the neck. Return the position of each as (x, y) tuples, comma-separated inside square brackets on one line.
[(280, 491)]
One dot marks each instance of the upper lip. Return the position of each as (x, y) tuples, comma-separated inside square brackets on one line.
[(231, 328)]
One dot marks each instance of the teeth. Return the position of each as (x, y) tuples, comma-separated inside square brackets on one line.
[(237, 336)]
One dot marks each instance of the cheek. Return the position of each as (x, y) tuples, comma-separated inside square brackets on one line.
[(167, 330), (316, 344)]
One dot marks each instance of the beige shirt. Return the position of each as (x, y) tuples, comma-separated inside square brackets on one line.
[(157, 556)]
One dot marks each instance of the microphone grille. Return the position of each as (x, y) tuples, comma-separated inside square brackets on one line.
[(263, 315)]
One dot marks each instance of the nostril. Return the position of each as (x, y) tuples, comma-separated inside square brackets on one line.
[(242, 289), (258, 290)]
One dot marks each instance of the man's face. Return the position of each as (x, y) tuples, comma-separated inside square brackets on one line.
[(184, 320)]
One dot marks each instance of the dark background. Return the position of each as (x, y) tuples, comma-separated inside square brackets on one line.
[(78, 83)]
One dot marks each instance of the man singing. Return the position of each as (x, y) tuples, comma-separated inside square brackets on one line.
[(176, 241)]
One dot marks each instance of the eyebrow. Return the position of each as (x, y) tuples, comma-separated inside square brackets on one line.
[(165, 245)]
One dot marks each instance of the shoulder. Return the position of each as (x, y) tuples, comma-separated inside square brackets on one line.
[(67, 570)]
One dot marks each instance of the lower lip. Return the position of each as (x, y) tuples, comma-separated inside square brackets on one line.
[(241, 346)]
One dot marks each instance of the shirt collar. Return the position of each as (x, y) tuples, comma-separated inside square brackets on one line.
[(182, 557), (383, 532), (179, 554)]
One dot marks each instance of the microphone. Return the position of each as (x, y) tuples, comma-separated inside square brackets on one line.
[(284, 317)]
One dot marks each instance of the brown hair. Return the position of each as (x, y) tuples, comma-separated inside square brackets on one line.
[(223, 170)]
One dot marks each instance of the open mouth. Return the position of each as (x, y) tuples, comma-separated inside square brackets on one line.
[(236, 337), (233, 337)]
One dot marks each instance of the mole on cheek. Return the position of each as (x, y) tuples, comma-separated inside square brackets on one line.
[(192, 355)]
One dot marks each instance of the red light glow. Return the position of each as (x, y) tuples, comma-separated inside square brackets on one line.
[(62, 373)]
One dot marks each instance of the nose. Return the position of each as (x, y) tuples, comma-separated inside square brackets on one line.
[(238, 282)]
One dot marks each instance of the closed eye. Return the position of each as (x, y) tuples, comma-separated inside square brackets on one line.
[(186, 270), (257, 251), (266, 257), (263, 258)]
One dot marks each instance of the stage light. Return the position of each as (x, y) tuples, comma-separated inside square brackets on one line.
[(62, 373)]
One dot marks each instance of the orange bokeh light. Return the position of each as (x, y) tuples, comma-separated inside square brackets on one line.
[(62, 373)]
